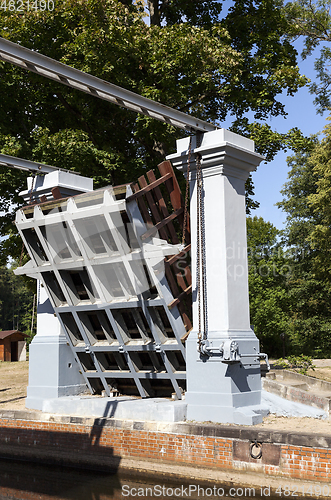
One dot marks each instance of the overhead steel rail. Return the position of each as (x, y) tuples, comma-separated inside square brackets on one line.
[(30, 166), (40, 64)]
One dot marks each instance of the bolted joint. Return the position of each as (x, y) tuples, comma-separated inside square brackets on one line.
[(228, 350)]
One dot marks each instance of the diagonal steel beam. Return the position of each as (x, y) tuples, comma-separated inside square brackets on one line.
[(38, 63), (31, 166)]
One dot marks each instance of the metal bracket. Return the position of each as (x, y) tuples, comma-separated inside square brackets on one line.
[(228, 350), (262, 355)]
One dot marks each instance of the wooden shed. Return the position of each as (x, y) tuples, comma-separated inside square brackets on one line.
[(12, 345)]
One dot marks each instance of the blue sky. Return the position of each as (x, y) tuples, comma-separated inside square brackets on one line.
[(269, 178)]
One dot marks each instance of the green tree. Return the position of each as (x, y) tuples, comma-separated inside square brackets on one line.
[(199, 66), (319, 203), (269, 270), (195, 12), (312, 20), (307, 237), (16, 302)]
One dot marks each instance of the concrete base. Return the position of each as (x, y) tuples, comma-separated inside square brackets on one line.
[(53, 371), (224, 392), (165, 410), (245, 415), (124, 407)]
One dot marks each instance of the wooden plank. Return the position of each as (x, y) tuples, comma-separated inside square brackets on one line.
[(180, 297), (175, 194), (173, 187), (120, 189), (184, 337), (188, 276), (175, 292), (55, 203), (142, 206), (185, 273), (180, 281), (29, 209), (56, 193), (148, 187), (171, 280), (160, 225), (186, 319), (162, 204), (179, 255), (155, 213)]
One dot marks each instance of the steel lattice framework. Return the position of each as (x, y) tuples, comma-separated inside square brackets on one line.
[(101, 257), (106, 268)]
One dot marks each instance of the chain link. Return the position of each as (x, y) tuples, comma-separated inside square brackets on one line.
[(201, 253)]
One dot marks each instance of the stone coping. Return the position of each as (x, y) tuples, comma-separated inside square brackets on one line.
[(245, 433)]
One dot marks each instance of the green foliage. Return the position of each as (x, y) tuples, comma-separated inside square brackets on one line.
[(16, 302), (312, 20), (300, 364), (307, 203), (257, 29), (195, 12), (187, 58), (319, 203), (268, 276), (307, 240), (289, 303), (73, 150)]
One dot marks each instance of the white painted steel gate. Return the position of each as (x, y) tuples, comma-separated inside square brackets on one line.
[(119, 281)]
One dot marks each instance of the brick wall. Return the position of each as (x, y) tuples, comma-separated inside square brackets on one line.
[(105, 442), (306, 462)]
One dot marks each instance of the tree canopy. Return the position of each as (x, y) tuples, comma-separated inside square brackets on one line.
[(195, 12), (306, 198), (16, 303), (268, 277), (187, 57), (191, 56), (312, 20)]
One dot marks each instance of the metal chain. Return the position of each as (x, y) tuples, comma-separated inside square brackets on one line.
[(201, 253), (198, 180), (187, 190)]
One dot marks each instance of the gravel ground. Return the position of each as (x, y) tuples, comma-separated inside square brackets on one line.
[(13, 384)]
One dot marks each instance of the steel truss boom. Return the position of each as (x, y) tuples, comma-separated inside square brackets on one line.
[(31, 166), (38, 63)]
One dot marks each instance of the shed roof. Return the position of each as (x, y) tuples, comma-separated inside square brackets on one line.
[(7, 333)]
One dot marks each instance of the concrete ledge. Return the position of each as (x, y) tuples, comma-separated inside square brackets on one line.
[(125, 408), (299, 388)]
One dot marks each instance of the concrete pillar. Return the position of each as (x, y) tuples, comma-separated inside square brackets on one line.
[(223, 382), (53, 371)]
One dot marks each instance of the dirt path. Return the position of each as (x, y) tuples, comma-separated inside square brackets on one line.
[(13, 384), (14, 381)]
